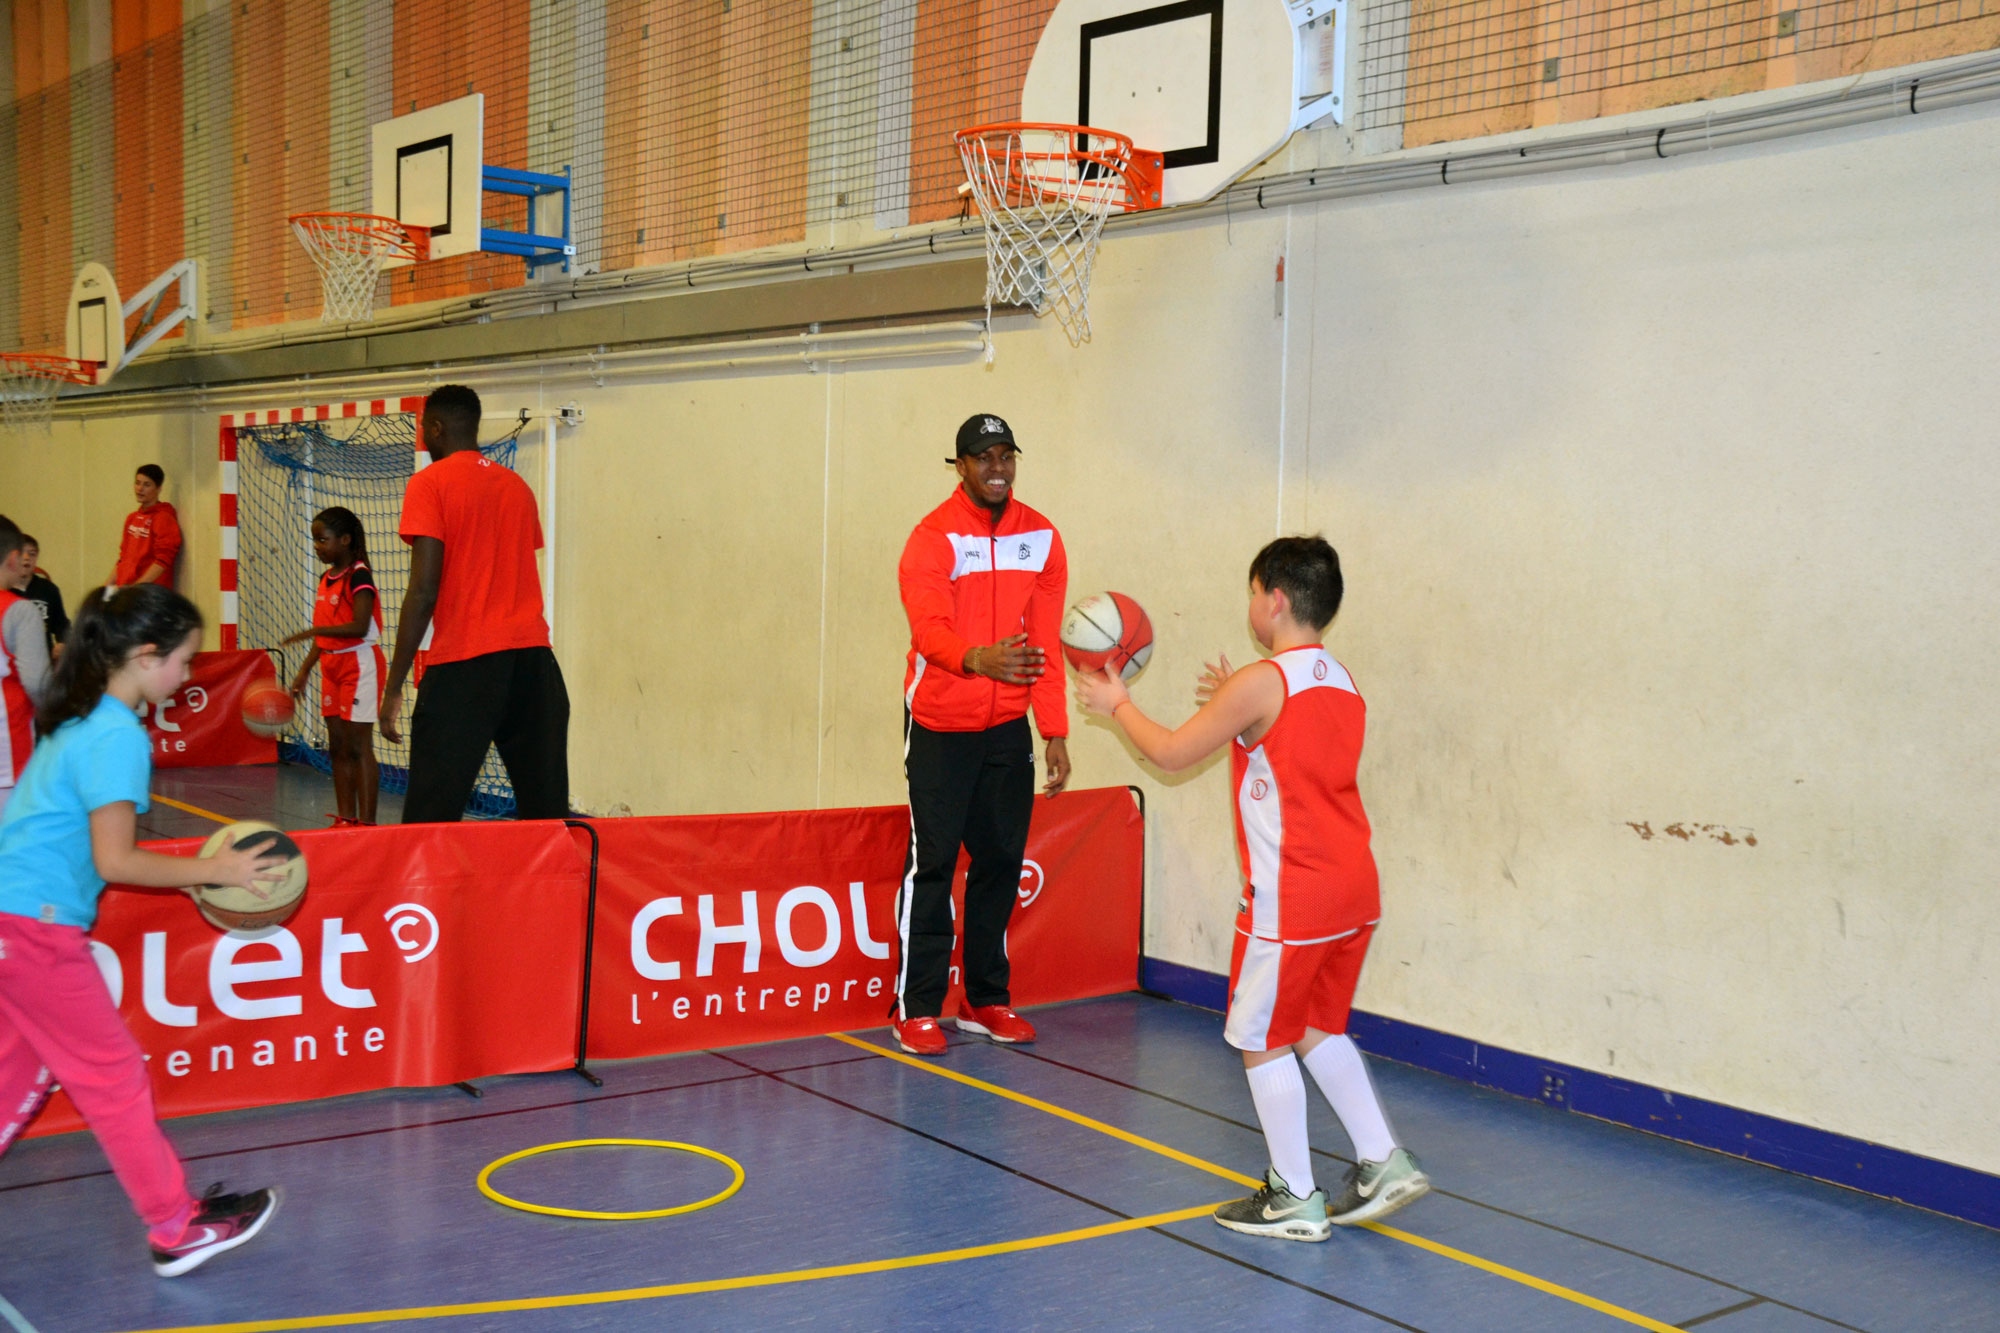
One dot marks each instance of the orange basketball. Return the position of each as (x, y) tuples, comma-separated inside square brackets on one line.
[(267, 710), (1109, 629)]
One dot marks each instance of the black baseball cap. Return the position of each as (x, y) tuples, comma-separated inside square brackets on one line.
[(981, 431)]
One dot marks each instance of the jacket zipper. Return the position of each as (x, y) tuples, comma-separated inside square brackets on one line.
[(993, 609)]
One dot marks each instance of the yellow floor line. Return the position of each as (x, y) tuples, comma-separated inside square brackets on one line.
[(1434, 1247), (192, 809), (932, 1067), (937, 1256), (697, 1288)]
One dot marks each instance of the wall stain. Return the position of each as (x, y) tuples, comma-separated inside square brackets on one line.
[(1690, 832)]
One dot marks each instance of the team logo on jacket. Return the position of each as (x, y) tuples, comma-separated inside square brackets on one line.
[(1025, 550), (1259, 790), (1319, 671)]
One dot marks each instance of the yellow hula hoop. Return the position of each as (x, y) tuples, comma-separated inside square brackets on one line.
[(735, 1184)]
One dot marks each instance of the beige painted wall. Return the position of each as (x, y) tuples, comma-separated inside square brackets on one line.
[(73, 488), (1668, 501), (1663, 497)]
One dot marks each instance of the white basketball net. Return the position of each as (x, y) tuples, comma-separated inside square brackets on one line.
[(1043, 203), (30, 385), (349, 250)]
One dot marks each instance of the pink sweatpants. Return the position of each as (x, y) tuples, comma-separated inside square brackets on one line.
[(57, 1024)]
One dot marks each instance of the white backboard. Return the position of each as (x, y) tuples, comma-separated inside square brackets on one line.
[(426, 171), (1215, 85), (95, 327)]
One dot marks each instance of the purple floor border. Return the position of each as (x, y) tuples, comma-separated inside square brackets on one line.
[(1890, 1173)]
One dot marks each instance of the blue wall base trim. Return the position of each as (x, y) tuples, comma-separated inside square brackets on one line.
[(1926, 1182)]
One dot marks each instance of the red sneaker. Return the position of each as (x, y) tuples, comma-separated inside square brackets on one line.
[(919, 1036), (997, 1022), (221, 1222)]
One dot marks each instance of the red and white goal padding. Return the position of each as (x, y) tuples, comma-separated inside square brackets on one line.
[(374, 407)]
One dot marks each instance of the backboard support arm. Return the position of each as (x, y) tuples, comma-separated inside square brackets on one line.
[(149, 298), (535, 248), (1309, 17)]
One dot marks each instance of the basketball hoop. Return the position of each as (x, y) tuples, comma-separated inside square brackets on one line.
[(29, 384), (350, 250), (1044, 191)]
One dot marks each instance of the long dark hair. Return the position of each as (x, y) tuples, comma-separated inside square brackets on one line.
[(342, 522), (102, 637)]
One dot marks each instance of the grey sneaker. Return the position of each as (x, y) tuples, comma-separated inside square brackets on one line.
[(1377, 1189), (1276, 1211)]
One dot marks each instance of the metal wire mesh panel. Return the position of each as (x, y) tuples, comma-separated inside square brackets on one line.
[(701, 127), (288, 472), (1457, 68)]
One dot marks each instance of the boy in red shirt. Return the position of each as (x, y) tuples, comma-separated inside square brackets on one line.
[(1311, 898), (490, 676), (152, 539)]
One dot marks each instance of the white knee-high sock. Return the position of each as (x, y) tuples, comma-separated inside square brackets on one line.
[(1342, 1076), (1280, 1097)]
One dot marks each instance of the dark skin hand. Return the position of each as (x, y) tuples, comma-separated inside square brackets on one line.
[(426, 566), (988, 481)]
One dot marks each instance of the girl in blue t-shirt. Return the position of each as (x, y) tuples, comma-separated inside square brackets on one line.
[(71, 826)]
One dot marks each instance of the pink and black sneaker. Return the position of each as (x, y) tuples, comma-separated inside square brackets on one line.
[(221, 1222)]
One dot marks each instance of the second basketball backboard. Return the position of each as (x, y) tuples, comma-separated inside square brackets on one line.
[(94, 329), (426, 171), (1215, 85)]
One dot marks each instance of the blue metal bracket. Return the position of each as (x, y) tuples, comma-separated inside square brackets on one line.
[(534, 248)]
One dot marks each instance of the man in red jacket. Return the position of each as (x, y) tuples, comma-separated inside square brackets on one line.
[(983, 578)]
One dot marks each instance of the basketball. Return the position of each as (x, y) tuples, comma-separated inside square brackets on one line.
[(229, 907), (1109, 629), (267, 709)]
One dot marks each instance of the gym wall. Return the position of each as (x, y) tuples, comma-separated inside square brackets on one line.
[(1662, 498)]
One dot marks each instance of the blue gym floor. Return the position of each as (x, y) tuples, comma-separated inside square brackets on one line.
[(1079, 1169)]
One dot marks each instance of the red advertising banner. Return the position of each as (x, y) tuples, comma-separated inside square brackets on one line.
[(726, 929), (202, 723), (423, 955)]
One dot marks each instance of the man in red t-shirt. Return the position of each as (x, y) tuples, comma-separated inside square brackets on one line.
[(152, 539), (490, 676)]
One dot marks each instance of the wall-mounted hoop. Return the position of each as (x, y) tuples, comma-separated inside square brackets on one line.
[(30, 383), (1044, 191), (350, 249)]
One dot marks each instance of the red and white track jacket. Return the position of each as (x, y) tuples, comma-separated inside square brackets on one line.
[(967, 581), (17, 711)]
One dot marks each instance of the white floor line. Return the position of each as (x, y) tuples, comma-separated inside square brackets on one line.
[(17, 1320)]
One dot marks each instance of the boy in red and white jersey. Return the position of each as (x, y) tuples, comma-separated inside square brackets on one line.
[(1311, 898), (24, 660)]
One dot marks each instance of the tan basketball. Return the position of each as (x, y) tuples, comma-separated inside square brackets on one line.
[(228, 907)]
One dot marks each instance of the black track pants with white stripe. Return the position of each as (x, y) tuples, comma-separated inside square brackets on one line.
[(974, 789)]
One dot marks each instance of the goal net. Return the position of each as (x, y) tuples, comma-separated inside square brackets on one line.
[(286, 473)]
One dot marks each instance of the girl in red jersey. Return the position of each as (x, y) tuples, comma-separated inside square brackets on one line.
[(347, 637), (1293, 724)]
